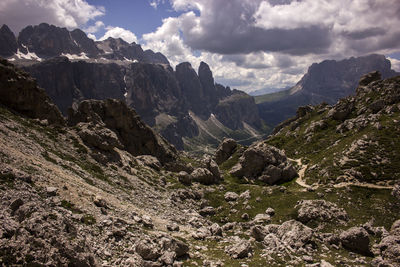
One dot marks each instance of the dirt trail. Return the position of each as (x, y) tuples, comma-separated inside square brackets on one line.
[(303, 167), (302, 171)]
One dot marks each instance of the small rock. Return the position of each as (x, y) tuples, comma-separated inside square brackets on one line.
[(231, 196), (207, 211), (173, 227), (184, 178), (245, 216), (270, 211), (51, 191)]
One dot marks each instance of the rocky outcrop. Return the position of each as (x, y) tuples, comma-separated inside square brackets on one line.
[(136, 137), (265, 163), (320, 211), (389, 247), (19, 92), (327, 81), (8, 42)]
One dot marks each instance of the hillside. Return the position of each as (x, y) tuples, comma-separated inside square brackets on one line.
[(103, 189), (327, 81)]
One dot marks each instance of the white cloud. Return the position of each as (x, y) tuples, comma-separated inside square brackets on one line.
[(275, 40), (95, 28), (395, 63), (65, 13), (118, 32)]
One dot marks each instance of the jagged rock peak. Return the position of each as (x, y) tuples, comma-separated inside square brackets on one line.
[(136, 137), (19, 92), (48, 40), (8, 42)]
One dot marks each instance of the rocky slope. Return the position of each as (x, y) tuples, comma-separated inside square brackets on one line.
[(354, 140), (327, 81), (85, 195), (189, 109)]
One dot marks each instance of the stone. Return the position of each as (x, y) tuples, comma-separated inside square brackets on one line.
[(147, 221), (51, 191), (149, 161), (16, 204), (261, 218), (173, 227), (100, 202), (207, 211), (270, 211), (265, 163), (245, 216), (215, 229), (231, 196), (184, 178), (356, 239), (294, 234), (203, 176), (320, 210), (201, 233), (147, 250), (240, 249), (225, 149), (245, 195)]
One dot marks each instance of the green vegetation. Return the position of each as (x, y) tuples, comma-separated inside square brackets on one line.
[(271, 97)]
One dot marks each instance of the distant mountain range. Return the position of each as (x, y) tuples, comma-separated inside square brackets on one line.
[(189, 109), (327, 81)]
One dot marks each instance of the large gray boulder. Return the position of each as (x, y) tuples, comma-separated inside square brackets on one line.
[(225, 150), (320, 211), (265, 163), (356, 239), (241, 249)]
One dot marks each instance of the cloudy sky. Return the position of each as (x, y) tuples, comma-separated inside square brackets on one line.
[(249, 44)]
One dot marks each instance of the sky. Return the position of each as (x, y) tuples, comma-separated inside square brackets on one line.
[(249, 44)]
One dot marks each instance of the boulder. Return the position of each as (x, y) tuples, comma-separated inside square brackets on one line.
[(356, 239), (147, 250), (264, 162), (231, 196), (149, 161), (225, 150), (389, 247), (241, 249), (203, 176), (294, 234), (216, 230), (98, 136), (321, 211), (184, 178)]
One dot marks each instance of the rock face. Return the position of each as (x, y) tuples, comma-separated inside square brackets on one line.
[(327, 81), (265, 163), (136, 137), (8, 42), (19, 92), (320, 211)]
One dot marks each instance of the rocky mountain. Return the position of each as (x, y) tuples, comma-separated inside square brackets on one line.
[(104, 189), (189, 109), (327, 81)]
